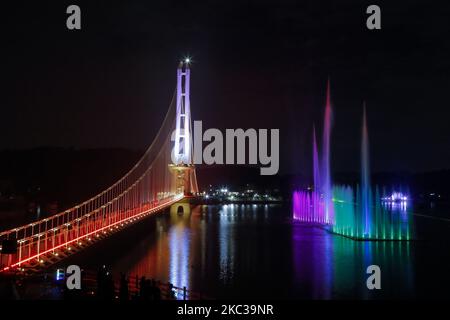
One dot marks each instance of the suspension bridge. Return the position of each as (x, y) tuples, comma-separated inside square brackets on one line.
[(164, 177)]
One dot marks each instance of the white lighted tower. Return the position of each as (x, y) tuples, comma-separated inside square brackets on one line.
[(182, 166), (183, 121)]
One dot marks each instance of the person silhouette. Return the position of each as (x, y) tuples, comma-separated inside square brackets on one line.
[(123, 291)]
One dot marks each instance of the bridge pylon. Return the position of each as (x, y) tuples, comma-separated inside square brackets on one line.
[(183, 174), (182, 166)]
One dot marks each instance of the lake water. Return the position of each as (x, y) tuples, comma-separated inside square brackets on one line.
[(257, 251)]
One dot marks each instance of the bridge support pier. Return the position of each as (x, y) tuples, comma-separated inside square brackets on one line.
[(180, 209)]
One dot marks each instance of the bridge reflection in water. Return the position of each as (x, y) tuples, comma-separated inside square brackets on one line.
[(165, 252), (179, 255)]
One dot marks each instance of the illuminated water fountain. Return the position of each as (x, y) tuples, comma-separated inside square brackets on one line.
[(351, 217), (309, 206), (316, 206), (325, 169), (358, 214), (366, 190)]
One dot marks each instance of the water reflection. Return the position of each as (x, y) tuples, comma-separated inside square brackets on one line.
[(401, 206), (179, 256), (226, 242), (313, 265), (336, 267), (256, 251)]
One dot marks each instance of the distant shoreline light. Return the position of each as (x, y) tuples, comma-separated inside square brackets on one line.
[(395, 197)]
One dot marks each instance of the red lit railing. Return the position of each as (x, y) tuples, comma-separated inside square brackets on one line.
[(41, 242)]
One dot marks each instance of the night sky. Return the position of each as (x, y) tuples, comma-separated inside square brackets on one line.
[(257, 64)]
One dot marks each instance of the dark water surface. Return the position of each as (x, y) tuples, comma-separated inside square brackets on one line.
[(256, 251)]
